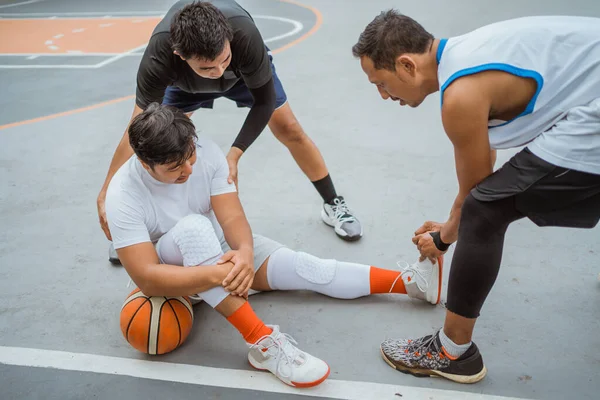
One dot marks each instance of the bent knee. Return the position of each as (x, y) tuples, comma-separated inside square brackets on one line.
[(484, 218), (194, 225), (289, 131), (197, 241)]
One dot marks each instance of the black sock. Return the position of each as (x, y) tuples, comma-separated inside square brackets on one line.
[(326, 189)]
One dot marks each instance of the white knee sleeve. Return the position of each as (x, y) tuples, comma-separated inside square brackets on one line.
[(313, 269), (290, 270), (197, 241), (193, 242)]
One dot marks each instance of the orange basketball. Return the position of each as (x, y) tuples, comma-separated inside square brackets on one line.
[(156, 325)]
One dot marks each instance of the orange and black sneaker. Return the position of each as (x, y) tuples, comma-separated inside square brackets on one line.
[(426, 356)]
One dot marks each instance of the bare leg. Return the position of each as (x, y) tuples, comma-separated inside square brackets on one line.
[(261, 282), (459, 329), (288, 131)]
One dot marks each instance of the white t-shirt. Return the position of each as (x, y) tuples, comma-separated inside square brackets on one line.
[(141, 209)]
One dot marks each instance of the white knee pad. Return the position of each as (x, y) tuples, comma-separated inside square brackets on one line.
[(197, 241), (313, 269), (290, 270)]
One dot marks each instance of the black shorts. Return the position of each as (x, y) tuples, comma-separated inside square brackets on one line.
[(546, 194)]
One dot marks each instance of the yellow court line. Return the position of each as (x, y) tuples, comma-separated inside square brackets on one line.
[(312, 31)]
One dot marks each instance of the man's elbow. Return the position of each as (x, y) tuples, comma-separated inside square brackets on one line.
[(148, 285)]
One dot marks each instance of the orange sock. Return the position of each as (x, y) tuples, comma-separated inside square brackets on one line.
[(386, 281), (247, 322)]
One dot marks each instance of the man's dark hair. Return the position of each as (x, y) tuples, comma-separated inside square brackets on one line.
[(162, 135), (390, 35), (200, 30)]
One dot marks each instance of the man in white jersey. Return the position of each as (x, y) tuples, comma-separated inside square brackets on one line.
[(530, 81), (162, 216)]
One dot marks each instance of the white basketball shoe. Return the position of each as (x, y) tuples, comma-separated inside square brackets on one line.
[(423, 280), (276, 353)]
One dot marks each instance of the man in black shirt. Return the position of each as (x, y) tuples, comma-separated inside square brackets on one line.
[(201, 51)]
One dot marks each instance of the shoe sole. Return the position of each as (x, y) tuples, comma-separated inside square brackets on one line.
[(114, 261), (339, 233), (297, 384), (426, 373), (440, 261)]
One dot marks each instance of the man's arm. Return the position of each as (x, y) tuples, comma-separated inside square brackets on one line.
[(230, 214), (155, 279), (231, 217), (465, 118), (257, 119), (254, 66), (122, 153)]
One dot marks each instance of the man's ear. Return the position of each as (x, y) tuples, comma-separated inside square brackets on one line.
[(176, 53), (146, 166), (406, 64)]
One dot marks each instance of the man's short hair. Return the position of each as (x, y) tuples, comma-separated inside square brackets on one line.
[(200, 30), (162, 135), (390, 35)]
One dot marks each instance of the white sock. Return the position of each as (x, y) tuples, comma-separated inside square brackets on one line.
[(291, 270), (453, 349)]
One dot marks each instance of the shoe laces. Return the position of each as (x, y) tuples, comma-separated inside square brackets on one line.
[(286, 353), (341, 212), (425, 346), (417, 270)]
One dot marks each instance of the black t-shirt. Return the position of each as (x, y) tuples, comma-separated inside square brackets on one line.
[(160, 68)]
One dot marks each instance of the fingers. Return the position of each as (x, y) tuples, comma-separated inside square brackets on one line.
[(232, 275), (235, 284), (104, 226), (244, 286), (226, 257), (424, 228)]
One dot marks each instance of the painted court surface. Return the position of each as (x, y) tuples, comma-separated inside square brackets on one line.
[(67, 76)]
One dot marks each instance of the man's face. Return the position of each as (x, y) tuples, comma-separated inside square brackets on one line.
[(402, 85), (211, 69), (172, 173)]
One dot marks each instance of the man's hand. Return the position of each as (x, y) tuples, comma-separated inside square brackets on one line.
[(240, 278), (429, 226), (426, 247), (424, 241), (100, 204), (233, 157)]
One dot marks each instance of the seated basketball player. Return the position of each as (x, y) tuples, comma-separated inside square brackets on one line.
[(162, 217)]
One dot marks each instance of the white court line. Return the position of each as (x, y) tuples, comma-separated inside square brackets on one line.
[(94, 14), (222, 377), (115, 58), (77, 53), (21, 3), (298, 26)]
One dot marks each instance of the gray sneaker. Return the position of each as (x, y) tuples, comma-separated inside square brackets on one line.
[(337, 215), (113, 257)]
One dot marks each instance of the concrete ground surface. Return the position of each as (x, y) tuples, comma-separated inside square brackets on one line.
[(60, 298)]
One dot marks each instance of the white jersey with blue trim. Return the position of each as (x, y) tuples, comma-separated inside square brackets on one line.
[(561, 123)]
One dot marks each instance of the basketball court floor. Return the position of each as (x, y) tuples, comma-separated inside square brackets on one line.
[(67, 78)]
